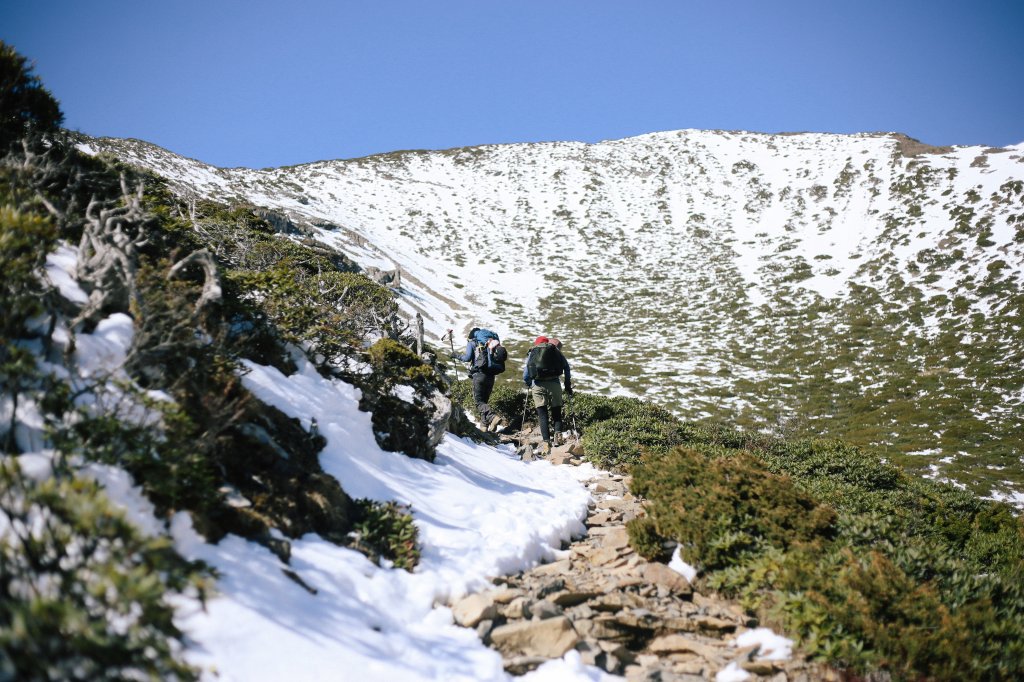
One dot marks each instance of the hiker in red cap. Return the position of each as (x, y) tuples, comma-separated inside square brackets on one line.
[(544, 364)]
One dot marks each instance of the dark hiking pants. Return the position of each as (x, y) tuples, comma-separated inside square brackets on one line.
[(483, 384)]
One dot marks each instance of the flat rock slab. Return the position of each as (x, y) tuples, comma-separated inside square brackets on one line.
[(676, 644), (554, 568), (616, 537), (572, 598), (549, 638)]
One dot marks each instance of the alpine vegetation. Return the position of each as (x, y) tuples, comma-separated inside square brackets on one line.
[(865, 287), (235, 444)]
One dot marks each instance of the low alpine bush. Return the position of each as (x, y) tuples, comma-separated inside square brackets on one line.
[(84, 596), (386, 530), (870, 569)]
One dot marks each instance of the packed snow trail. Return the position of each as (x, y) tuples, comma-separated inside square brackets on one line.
[(480, 513)]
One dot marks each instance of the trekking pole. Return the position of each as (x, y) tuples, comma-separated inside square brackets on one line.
[(526, 401), (451, 342), (572, 419)]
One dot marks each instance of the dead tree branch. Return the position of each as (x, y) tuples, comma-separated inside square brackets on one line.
[(211, 286), (109, 254)]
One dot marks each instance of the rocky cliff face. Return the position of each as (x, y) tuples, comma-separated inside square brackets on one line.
[(858, 286)]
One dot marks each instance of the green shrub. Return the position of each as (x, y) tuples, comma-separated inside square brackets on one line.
[(329, 312), (84, 596), (506, 400), (645, 539), (621, 441), (164, 458), (386, 530), (722, 509), (869, 568), (25, 241), (589, 409), (394, 362)]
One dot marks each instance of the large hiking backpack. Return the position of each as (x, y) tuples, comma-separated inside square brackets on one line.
[(546, 361), (489, 356)]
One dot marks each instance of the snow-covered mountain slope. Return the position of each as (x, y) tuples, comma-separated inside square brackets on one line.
[(860, 286)]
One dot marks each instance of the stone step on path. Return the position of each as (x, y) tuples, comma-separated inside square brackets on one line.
[(623, 614)]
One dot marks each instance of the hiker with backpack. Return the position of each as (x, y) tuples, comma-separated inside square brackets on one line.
[(487, 359), (544, 365)]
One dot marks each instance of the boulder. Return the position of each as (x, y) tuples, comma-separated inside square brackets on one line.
[(661, 575)]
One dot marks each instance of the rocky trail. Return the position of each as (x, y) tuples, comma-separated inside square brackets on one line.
[(625, 615)]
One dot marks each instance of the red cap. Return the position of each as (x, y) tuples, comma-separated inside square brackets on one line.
[(540, 339)]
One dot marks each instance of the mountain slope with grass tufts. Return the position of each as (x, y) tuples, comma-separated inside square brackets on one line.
[(867, 287)]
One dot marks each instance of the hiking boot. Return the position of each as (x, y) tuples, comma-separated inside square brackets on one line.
[(494, 424), (545, 448)]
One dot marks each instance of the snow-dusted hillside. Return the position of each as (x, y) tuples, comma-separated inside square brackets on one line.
[(863, 286)]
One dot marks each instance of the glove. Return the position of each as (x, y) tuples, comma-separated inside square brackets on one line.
[(526, 384), (453, 356), (568, 391)]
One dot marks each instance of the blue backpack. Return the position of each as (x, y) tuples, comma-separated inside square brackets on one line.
[(488, 357)]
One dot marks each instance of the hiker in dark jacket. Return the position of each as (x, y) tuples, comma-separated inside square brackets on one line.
[(483, 384), (544, 364)]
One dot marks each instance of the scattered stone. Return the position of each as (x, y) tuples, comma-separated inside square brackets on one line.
[(660, 574), (551, 587), (584, 627), (544, 609), (607, 486), (554, 568), (616, 601), (560, 458), (758, 667), (623, 614), (604, 556), (702, 601), (505, 595), (517, 609), (520, 665), (470, 610), (715, 624)]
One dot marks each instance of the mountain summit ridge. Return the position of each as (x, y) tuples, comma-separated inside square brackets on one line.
[(863, 286)]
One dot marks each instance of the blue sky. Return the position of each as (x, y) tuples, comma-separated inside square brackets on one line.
[(258, 83)]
